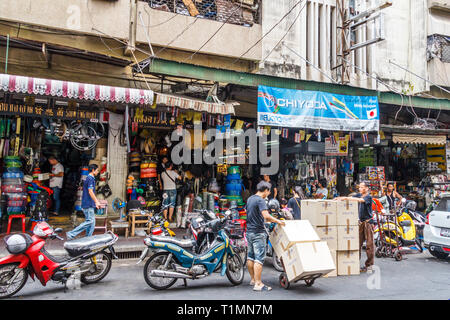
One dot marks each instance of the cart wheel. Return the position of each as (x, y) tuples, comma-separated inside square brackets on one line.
[(309, 282), (398, 255), (378, 253), (284, 283)]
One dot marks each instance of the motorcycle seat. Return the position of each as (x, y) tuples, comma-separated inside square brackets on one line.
[(405, 223), (83, 245), (179, 242)]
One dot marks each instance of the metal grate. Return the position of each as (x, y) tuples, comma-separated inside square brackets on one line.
[(241, 12), (446, 53), (128, 255)]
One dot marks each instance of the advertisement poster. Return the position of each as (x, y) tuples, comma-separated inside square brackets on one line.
[(317, 110), (340, 148)]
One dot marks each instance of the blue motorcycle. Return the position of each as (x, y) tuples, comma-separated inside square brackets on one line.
[(176, 258)]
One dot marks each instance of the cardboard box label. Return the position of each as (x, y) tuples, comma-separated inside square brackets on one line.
[(347, 262), (347, 213), (295, 231), (319, 212), (328, 234), (347, 238), (305, 259)]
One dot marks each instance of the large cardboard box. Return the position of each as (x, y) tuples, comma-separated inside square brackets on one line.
[(310, 258), (319, 212), (328, 234), (347, 238), (347, 213), (334, 272), (295, 231), (347, 262)]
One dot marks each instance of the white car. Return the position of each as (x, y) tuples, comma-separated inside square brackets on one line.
[(436, 233)]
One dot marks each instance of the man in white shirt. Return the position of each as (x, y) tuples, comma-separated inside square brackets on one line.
[(56, 182)]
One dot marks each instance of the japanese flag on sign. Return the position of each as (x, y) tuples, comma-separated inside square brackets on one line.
[(372, 114)]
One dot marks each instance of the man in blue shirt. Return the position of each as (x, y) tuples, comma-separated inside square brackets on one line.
[(257, 213), (89, 203)]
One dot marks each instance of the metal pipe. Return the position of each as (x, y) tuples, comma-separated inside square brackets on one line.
[(7, 53)]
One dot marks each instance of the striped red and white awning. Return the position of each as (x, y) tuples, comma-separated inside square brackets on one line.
[(84, 91), (74, 90)]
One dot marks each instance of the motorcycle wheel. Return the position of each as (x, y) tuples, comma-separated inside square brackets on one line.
[(9, 288), (276, 262), (156, 262), (235, 269), (98, 270)]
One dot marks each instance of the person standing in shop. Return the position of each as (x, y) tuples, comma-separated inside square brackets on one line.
[(161, 168), (295, 203), (168, 177), (392, 196), (89, 203), (365, 226), (257, 213), (56, 182), (273, 189), (322, 191)]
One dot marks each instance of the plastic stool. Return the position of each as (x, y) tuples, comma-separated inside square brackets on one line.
[(16, 216)]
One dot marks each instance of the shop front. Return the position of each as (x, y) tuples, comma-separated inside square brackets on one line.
[(50, 132)]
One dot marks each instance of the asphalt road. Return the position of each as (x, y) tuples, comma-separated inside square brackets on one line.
[(420, 276)]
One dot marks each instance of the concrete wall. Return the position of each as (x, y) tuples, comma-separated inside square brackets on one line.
[(190, 34), (111, 19), (309, 30)]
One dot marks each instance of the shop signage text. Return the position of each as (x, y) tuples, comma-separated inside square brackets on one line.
[(43, 111), (316, 110)]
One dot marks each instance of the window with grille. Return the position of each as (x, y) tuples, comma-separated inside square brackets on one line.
[(241, 12)]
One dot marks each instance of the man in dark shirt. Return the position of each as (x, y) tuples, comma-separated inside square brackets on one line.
[(273, 188), (294, 203), (365, 227), (257, 212), (89, 203)]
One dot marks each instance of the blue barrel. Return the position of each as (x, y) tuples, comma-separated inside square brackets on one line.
[(233, 176)]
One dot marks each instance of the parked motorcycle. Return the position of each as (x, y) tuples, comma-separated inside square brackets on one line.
[(87, 257), (402, 228), (176, 259)]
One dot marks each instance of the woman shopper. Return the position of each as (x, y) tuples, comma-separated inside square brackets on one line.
[(295, 203), (89, 203), (169, 176)]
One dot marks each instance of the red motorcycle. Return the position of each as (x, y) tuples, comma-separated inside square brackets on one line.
[(87, 258)]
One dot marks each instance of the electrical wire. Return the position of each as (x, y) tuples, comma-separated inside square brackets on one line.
[(271, 29), (285, 34), (216, 32), (307, 61)]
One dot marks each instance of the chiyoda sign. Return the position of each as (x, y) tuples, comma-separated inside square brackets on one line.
[(317, 110)]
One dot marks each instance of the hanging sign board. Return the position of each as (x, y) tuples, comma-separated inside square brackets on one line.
[(317, 110), (46, 112), (340, 148)]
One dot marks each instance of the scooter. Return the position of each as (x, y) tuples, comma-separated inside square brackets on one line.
[(402, 228), (87, 258), (176, 260)]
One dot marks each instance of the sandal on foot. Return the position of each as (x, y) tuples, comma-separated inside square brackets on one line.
[(263, 288), (252, 283)]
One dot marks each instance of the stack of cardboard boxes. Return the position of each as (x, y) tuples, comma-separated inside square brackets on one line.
[(302, 251), (336, 222)]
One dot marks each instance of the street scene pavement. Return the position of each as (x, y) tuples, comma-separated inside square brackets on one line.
[(418, 276)]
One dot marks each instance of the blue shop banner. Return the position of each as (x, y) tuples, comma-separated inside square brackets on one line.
[(317, 110)]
